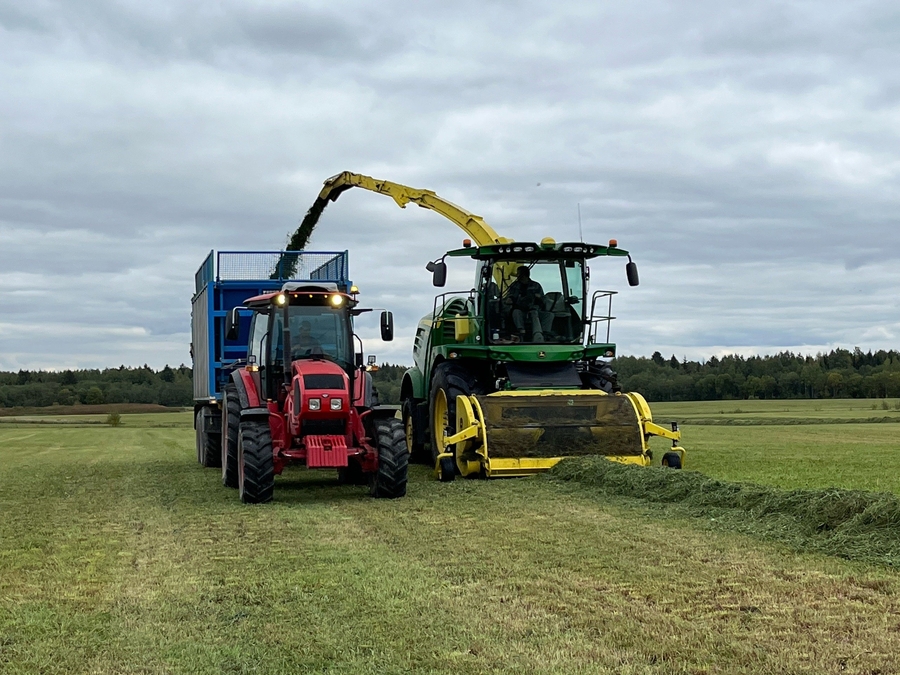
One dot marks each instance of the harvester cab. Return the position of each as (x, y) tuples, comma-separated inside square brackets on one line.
[(514, 375), (305, 396)]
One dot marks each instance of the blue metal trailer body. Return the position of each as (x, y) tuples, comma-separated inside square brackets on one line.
[(224, 281)]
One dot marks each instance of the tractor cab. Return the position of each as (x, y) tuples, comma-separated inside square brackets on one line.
[(308, 323)]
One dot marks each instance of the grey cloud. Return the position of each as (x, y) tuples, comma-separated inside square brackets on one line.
[(746, 155)]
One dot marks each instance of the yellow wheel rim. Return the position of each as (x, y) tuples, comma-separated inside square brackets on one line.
[(441, 420), (408, 427)]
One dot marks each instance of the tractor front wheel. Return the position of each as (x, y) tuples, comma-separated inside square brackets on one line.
[(389, 481), (231, 418), (256, 467)]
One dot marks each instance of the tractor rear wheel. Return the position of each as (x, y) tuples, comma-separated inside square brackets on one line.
[(256, 467), (389, 482), (411, 428), (449, 381), (208, 449), (231, 418)]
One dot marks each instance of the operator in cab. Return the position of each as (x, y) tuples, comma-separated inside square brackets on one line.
[(305, 344), (525, 299)]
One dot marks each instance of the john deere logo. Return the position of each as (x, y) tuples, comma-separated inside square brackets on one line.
[(542, 354)]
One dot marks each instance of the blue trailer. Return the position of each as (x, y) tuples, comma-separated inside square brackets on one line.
[(224, 281)]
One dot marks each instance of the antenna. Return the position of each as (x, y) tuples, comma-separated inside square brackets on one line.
[(580, 235)]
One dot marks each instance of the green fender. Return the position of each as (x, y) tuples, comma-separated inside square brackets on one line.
[(413, 385)]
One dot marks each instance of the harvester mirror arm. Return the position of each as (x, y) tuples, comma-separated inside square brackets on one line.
[(631, 271), (474, 226), (438, 270)]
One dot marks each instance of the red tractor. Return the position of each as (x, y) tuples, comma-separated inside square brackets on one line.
[(305, 397)]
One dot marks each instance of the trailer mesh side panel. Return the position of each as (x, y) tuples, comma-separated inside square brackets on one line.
[(200, 342), (282, 265)]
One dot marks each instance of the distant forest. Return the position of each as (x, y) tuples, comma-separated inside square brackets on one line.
[(838, 374)]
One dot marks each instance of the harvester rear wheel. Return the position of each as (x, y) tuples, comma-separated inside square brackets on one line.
[(449, 381), (410, 420), (389, 481), (231, 418), (208, 449), (256, 470), (671, 460)]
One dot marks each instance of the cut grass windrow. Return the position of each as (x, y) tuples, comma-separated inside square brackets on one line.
[(850, 524)]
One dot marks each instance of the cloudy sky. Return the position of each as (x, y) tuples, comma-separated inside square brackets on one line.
[(745, 153)]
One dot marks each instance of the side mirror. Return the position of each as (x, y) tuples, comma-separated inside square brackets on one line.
[(387, 326), (359, 360), (233, 324), (438, 272), (632, 273)]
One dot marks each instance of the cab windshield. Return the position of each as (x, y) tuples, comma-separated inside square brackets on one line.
[(534, 302), (316, 331)]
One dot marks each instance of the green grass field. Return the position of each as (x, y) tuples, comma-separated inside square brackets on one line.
[(119, 554)]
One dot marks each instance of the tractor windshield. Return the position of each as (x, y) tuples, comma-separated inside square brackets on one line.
[(534, 301), (316, 331)]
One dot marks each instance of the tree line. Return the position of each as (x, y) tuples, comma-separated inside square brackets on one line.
[(840, 373), (39, 388)]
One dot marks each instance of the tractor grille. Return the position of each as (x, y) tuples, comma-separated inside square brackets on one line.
[(323, 381), (324, 427)]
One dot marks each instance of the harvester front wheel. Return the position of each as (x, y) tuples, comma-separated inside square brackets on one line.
[(208, 449), (256, 469), (410, 427), (231, 418), (449, 381), (389, 482)]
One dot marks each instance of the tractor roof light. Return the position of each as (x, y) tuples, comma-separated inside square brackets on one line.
[(613, 243), (354, 290), (337, 300), (280, 299)]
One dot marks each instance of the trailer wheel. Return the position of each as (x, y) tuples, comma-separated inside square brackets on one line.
[(256, 468), (410, 427), (208, 449), (671, 460), (231, 418), (449, 381), (389, 481)]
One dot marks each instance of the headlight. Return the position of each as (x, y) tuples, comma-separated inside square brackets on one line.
[(336, 404), (337, 300), (314, 404)]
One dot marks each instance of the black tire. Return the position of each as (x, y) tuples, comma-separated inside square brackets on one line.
[(412, 431), (256, 467), (455, 380), (447, 470), (231, 418), (671, 460), (208, 445), (389, 482)]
